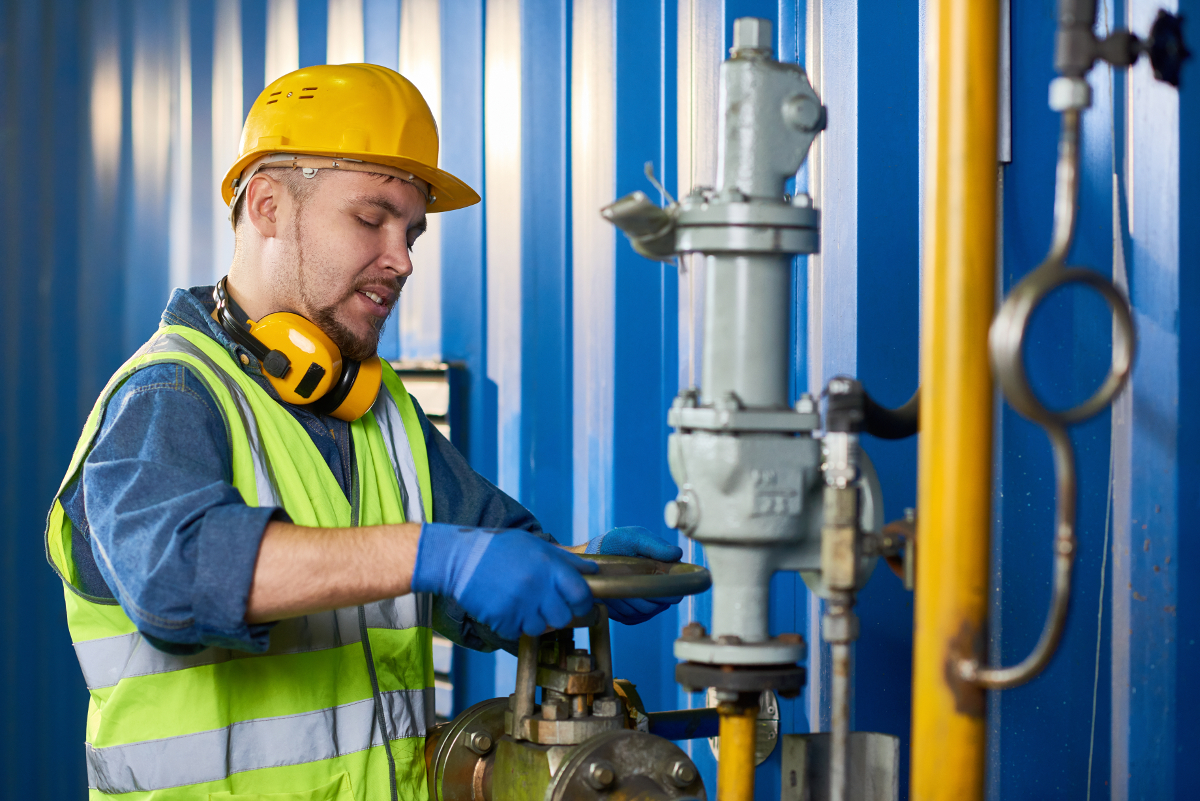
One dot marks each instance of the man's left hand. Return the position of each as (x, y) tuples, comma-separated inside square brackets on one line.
[(635, 541)]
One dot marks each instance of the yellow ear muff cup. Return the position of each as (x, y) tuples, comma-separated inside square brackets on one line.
[(363, 391), (316, 363)]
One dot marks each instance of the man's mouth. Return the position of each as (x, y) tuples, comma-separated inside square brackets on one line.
[(378, 299)]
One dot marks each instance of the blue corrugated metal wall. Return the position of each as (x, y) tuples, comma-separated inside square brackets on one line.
[(115, 115)]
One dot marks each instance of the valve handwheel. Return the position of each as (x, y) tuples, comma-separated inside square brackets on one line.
[(638, 577)]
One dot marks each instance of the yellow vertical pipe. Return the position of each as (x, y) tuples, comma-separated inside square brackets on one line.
[(735, 767), (954, 485)]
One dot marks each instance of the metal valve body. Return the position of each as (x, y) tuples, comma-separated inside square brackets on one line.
[(748, 469), (579, 743)]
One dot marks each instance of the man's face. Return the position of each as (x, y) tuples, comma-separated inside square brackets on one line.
[(343, 255)]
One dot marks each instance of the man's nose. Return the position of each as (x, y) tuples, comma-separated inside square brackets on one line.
[(396, 256)]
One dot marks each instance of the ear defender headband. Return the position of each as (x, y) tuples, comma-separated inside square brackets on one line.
[(301, 361)]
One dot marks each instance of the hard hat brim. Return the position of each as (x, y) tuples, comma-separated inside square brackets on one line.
[(449, 192)]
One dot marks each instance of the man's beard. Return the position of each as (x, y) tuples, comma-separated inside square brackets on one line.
[(352, 346)]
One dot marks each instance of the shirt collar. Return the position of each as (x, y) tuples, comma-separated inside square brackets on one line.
[(193, 308)]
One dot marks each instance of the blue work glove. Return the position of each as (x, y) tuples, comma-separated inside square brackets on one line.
[(635, 541), (507, 579)]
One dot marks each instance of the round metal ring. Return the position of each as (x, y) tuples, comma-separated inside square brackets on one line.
[(1006, 341), (636, 577)]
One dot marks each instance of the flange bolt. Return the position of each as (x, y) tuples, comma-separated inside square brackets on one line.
[(606, 707), (600, 775), (480, 742), (682, 773)]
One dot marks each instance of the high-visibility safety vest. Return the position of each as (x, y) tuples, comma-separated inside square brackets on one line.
[(305, 721)]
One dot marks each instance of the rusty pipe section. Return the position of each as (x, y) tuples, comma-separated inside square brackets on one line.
[(954, 486)]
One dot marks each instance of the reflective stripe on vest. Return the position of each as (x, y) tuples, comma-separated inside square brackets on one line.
[(107, 660), (263, 481), (116, 666), (253, 744), (392, 426)]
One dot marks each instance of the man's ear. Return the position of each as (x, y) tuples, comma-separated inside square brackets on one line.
[(262, 201)]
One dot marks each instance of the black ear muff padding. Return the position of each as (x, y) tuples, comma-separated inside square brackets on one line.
[(332, 399)]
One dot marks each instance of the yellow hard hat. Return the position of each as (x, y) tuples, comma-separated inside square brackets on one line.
[(356, 112)]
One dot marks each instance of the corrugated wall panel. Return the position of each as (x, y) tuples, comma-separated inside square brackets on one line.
[(119, 116), (43, 119), (419, 326)]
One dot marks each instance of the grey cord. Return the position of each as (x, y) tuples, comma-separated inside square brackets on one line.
[(1100, 617), (1117, 239), (380, 718)]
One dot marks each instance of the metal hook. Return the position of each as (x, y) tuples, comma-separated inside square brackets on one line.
[(1006, 342)]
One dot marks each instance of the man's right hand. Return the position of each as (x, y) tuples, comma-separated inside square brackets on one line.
[(507, 579)]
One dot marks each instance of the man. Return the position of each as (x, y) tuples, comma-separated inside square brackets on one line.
[(260, 528)]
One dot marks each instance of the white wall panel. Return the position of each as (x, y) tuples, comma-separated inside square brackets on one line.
[(700, 42), (344, 37), (832, 63), (180, 271), (283, 39), (420, 308), (226, 122), (502, 149), (593, 171)]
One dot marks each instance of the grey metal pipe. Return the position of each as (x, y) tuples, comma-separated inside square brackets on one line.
[(527, 661), (839, 742), (601, 645), (746, 329), (741, 590)]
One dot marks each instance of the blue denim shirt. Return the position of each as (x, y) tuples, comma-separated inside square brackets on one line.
[(172, 540)]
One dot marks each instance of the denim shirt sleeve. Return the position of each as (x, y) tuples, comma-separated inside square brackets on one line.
[(171, 537), (463, 497)]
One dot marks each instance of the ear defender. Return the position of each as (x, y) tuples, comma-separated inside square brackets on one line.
[(301, 361)]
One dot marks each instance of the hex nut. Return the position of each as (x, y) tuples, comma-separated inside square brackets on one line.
[(556, 709), (606, 707), (682, 773), (480, 742), (1068, 94), (752, 33), (579, 663), (599, 775), (694, 631)]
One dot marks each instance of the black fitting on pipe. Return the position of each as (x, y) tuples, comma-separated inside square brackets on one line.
[(852, 410), (899, 423), (847, 405), (1077, 47)]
